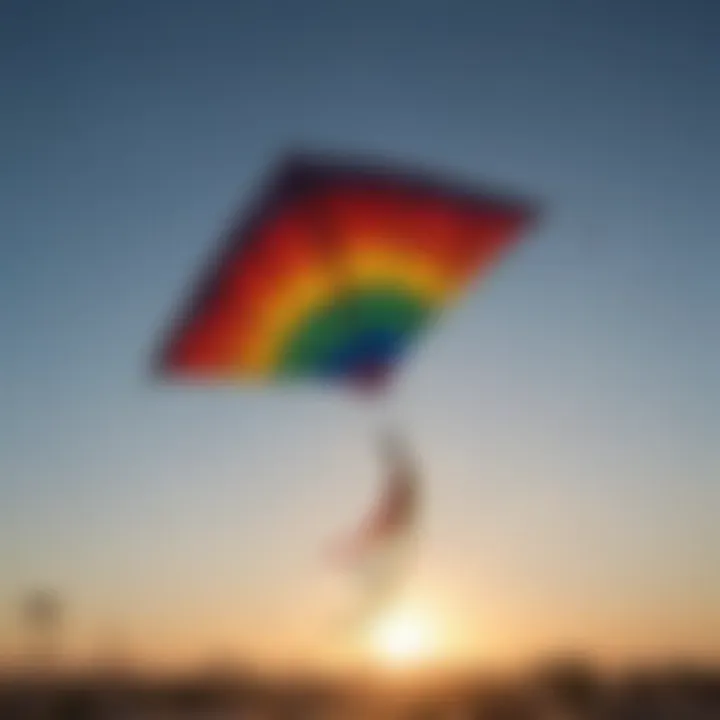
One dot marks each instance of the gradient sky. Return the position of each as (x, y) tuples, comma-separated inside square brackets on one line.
[(567, 415)]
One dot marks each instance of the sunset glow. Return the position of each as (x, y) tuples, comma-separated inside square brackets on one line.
[(404, 638)]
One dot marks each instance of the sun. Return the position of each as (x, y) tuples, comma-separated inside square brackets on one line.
[(403, 638)]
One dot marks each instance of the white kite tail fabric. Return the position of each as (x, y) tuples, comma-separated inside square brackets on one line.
[(381, 552), (394, 516)]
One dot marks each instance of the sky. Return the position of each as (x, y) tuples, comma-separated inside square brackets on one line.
[(566, 415)]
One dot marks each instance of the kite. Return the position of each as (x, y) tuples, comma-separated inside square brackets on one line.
[(333, 276), (336, 272)]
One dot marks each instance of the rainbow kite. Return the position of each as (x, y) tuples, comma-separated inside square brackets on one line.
[(336, 273)]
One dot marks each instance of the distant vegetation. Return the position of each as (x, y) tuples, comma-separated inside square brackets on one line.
[(569, 689)]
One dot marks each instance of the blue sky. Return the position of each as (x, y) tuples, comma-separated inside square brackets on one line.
[(567, 414)]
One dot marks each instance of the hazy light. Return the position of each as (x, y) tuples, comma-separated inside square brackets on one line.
[(403, 638)]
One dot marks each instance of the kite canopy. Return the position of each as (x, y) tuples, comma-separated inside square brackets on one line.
[(336, 273)]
